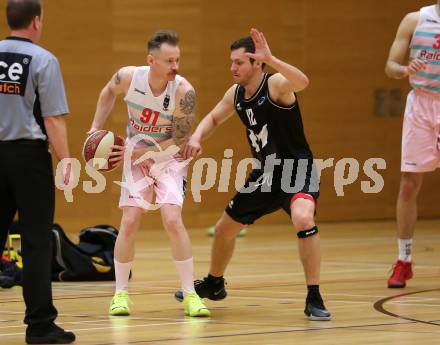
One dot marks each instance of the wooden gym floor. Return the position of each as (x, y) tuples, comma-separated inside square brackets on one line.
[(266, 293)]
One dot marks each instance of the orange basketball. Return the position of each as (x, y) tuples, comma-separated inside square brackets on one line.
[(97, 148)]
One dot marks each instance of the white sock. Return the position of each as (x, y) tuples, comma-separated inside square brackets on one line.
[(405, 248), (185, 269), (122, 274)]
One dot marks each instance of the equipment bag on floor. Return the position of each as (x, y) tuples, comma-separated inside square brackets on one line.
[(90, 260), (10, 273)]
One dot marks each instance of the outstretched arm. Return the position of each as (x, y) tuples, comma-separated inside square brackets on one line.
[(396, 64), (221, 112)]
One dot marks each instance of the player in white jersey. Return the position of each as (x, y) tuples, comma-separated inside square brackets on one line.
[(161, 110), (420, 32)]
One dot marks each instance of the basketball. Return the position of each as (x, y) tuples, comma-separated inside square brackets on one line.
[(97, 148)]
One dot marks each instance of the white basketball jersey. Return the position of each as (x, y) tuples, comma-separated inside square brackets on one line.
[(149, 115)]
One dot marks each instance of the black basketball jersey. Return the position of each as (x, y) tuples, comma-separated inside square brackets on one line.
[(271, 128)]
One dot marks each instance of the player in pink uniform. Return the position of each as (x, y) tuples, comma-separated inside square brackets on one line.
[(420, 31), (161, 110)]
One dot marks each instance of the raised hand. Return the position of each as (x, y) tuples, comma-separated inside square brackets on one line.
[(262, 50)]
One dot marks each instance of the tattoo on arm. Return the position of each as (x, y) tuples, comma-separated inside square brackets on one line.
[(182, 125), (182, 128), (188, 102), (117, 77)]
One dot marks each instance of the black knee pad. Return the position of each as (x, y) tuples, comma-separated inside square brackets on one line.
[(307, 233)]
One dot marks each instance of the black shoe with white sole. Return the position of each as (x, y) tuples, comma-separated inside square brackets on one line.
[(210, 287), (316, 310)]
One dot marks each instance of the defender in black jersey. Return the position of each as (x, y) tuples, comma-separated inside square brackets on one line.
[(275, 134), (285, 177)]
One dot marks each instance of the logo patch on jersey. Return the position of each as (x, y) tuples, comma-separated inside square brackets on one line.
[(139, 91), (166, 102), (261, 100), (14, 72), (259, 140), (239, 107)]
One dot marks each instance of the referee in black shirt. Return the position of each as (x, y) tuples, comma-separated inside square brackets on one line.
[(32, 105)]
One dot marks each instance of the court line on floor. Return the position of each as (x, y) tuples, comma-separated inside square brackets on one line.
[(107, 294), (339, 294), (225, 335), (109, 327), (379, 306), (265, 333)]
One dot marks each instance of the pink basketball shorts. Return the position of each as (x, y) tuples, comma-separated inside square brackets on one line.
[(421, 131), (167, 182)]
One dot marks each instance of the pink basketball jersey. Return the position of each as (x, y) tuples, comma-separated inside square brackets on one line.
[(425, 44)]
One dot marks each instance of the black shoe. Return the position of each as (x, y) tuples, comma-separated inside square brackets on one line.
[(207, 288), (55, 335), (316, 310)]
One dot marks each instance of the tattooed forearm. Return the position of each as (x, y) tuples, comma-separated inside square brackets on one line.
[(188, 103), (182, 128)]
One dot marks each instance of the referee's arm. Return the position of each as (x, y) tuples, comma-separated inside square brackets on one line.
[(57, 135), (53, 106)]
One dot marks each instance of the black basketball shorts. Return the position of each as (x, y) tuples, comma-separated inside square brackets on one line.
[(264, 193)]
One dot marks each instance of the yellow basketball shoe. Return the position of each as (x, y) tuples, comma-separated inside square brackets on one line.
[(119, 304), (194, 306)]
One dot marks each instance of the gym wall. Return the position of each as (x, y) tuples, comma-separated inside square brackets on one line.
[(350, 110)]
